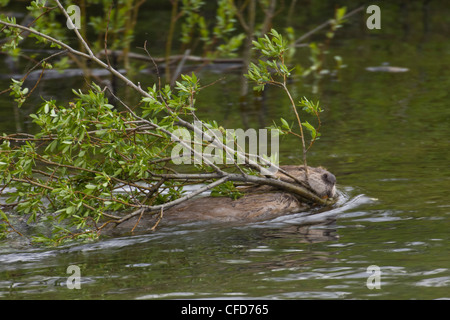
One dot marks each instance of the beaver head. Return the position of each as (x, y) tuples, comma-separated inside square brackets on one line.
[(320, 181)]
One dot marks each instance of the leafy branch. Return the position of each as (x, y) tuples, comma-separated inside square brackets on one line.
[(272, 70), (91, 165)]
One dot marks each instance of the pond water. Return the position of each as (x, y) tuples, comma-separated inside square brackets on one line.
[(386, 138)]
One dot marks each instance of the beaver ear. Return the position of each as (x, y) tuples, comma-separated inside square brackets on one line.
[(328, 177)]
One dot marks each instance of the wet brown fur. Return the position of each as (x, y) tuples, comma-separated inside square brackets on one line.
[(258, 203)]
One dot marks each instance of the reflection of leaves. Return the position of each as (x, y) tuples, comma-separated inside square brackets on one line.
[(227, 189)]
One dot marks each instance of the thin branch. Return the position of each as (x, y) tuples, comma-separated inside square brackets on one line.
[(43, 60), (298, 190), (137, 222), (14, 229), (179, 67), (175, 58), (154, 64), (86, 46), (324, 25), (301, 127), (159, 220), (60, 43), (106, 37)]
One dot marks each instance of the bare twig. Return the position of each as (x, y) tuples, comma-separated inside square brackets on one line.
[(106, 37), (137, 222), (60, 43), (159, 220), (300, 125), (154, 64), (14, 229), (179, 67)]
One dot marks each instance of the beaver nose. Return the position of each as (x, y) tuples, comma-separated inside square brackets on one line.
[(329, 178)]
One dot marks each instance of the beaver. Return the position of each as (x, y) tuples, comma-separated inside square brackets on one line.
[(258, 203)]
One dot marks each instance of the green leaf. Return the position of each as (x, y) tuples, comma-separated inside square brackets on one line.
[(70, 210), (285, 124), (181, 87), (310, 128), (3, 216)]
